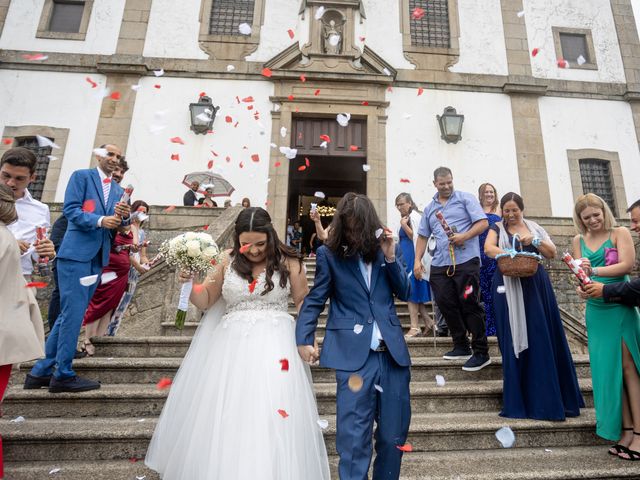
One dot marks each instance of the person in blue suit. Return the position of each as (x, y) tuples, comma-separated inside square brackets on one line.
[(361, 270), (94, 211)]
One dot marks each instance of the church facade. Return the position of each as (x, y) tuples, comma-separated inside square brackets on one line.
[(314, 98)]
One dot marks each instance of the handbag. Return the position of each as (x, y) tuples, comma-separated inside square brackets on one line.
[(610, 256)]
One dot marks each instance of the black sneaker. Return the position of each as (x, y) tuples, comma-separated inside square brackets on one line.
[(72, 384), (458, 353), (476, 362), (31, 382)]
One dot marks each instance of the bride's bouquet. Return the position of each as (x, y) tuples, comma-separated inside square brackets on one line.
[(195, 252)]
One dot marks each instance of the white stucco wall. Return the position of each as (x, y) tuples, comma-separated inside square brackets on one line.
[(59, 100), (22, 20), (157, 178), (482, 47), (486, 152), (173, 30), (571, 124), (635, 4), (596, 15)]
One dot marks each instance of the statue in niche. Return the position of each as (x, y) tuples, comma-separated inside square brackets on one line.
[(331, 38)]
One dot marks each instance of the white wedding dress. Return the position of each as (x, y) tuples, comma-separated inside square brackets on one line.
[(233, 413)]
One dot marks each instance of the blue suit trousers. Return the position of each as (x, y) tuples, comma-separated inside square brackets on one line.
[(356, 412), (61, 344)]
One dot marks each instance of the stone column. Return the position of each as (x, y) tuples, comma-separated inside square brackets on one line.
[(524, 91), (4, 8), (133, 30)]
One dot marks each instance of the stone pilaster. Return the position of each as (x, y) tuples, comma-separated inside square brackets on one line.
[(133, 30), (4, 9), (515, 38)]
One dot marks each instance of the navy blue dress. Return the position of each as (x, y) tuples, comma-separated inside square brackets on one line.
[(420, 291), (487, 269), (542, 383)]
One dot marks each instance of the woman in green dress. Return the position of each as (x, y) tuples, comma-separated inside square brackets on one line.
[(608, 255)]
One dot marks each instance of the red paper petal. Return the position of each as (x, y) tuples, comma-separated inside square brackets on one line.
[(303, 78), (301, 168), (277, 164), (267, 72), (228, 158), (214, 153), (365, 103), (177, 140), (252, 285), (157, 86), (202, 94), (163, 383), (205, 228), (291, 97), (175, 156), (241, 165), (115, 96), (250, 107), (284, 364), (325, 138), (210, 164), (535, 52), (291, 34), (93, 84), (228, 119), (170, 208), (420, 91), (247, 99), (36, 285), (7, 141), (307, 162), (317, 92), (405, 180), (245, 248), (405, 448), (283, 413), (255, 157), (89, 206), (417, 13), (353, 148), (362, 39), (562, 63)]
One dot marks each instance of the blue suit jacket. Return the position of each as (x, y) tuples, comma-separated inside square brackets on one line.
[(341, 280), (84, 239)]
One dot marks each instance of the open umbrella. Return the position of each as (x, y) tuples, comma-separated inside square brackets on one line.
[(221, 186)]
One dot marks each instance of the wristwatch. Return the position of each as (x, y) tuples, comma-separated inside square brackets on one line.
[(536, 241)]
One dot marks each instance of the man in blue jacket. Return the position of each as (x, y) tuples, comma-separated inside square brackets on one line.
[(360, 270), (93, 208)]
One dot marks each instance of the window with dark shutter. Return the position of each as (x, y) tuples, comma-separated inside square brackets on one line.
[(432, 28), (37, 187), (574, 46), (66, 16), (596, 178), (227, 15)]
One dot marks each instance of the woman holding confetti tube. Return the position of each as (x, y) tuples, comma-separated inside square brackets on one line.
[(607, 255)]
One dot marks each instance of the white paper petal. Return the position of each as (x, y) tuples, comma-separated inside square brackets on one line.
[(135, 88), (52, 158), (230, 68), (283, 132), (501, 289), (273, 145), (440, 381), (581, 60), (506, 437), (244, 29), (54, 471), (386, 71), (378, 388), (290, 153), (548, 450), (319, 194), (343, 119), (407, 116), (276, 107), (141, 477), (520, 14), (334, 40), (108, 277), (357, 328), (88, 281), (366, 168), (19, 419), (379, 232), (203, 117), (323, 424), (158, 73), (45, 142), (324, 144), (319, 12), (101, 152)]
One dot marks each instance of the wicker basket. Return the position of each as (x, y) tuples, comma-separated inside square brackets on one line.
[(521, 265)]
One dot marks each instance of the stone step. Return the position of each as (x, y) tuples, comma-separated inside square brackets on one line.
[(560, 463), (173, 346), (149, 370), (103, 438), (142, 400)]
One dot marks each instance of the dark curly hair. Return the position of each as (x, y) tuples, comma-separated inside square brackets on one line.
[(353, 229), (256, 219)]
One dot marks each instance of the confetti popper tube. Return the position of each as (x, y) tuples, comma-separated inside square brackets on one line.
[(126, 196), (580, 274), (445, 226), (41, 234)]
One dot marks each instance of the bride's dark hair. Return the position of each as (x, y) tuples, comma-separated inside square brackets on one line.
[(256, 219)]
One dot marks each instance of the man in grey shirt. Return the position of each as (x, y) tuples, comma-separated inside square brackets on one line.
[(455, 267)]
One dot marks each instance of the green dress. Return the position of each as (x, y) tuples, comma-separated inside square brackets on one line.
[(608, 325)]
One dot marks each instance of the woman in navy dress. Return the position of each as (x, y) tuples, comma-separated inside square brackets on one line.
[(540, 379), (420, 290), (488, 197)]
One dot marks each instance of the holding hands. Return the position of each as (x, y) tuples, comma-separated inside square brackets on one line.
[(309, 354)]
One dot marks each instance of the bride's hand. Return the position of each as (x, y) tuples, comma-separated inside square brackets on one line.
[(185, 276), (308, 353)]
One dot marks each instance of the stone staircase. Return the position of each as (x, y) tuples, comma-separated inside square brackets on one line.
[(104, 434)]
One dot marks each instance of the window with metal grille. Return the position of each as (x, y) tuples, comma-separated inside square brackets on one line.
[(37, 187), (66, 16), (431, 29), (227, 15), (573, 46), (596, 178)]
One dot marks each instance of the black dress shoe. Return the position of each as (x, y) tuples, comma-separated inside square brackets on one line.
[(33, 383), (442, 333), (72, 384)]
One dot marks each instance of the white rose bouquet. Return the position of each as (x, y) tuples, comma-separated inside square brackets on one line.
[(195, 252)]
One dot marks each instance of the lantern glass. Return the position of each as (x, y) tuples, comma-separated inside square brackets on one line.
[(450, 125), (203, 114)]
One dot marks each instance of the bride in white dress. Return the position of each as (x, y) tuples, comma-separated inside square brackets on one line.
[(242, 405)]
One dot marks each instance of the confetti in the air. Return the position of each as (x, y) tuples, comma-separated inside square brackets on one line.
[(283, 132), (267, 72), (288, 152), (115, 96), (520, 14), (405, 180), (45, 142), (54, 471), (89, 206), (19, 419), (417, 13), (319, 12), (353, 148), (535, 52), (230, 68), (93, 84), (501, 289), (325, 138), (108, 277), (88, 280), (323, 424), (36, 285), (244, 29), (343, 119), (379, 232), (378, 388), (291, 34), (175, 157), (177, 140), (34, 57), (252, 285), (405, 448), (420, 91), (468, 291), (357, 328), (159, 73), (366, 168), (562, 63), (581, 60), (283, 413), (303, 78), (163, 383)]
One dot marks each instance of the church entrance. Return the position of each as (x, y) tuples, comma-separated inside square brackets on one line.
[(329, 164)]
